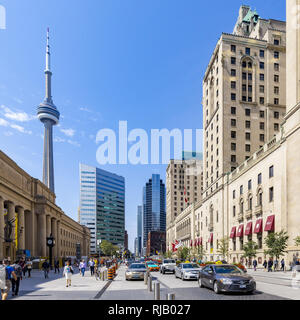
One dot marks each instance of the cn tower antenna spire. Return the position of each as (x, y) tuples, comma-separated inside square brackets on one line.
[(48, 67)]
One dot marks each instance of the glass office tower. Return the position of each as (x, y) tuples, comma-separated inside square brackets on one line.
[(139, 229), (102, 205), (154, 207)]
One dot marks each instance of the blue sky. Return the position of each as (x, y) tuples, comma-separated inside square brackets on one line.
[(135, 60)]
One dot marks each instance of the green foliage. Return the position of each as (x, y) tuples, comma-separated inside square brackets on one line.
[(224, 247), (183, 253), (168, 254), (108, 248), (250, 249), (201, 252), (276, 243), (297, 241)]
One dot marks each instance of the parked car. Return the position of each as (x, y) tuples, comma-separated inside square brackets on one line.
[(187, 271), (136, 271), (168, 265), (152, 266), (226, 278)]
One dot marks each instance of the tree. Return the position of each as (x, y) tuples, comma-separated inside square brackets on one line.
[(108, 248), (276, 243), (168, 254), (224, 247), (201, 252), (297, 241), (250, 249), (183, 253)]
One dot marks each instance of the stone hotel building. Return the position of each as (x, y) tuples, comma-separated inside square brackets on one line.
[(251, 167)]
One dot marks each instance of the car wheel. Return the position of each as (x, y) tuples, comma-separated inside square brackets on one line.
[(200, 283), (173, 272), (216, 288), (182, 277), (163, 272)]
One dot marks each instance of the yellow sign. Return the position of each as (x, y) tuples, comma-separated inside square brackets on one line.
[(16, 231), (211, 250), (187, 262), (219, 262)]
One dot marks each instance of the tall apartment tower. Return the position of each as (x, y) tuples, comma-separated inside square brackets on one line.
[(244, 94), (154, 207), (139, 229), (184, 180), (102, 205)]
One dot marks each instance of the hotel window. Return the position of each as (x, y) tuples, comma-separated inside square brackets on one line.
[(248, 51), (262, 89), (233, 85), (262, 137), (244, 87), (249, 76), (233, 158), (248, 148), (250, 203), (276, 101), (276, 90), (233, 60), (271, 194), (271, 172), (262, 126), (233, 147), (248, 124), (233, 110), (244, 76), (233, 169), (233, 72), (247, 112), (276, 78), (233, 134), (276, 66), (249, 184), (249, 99), (276, 126), (262, 65), (241, 190), (259, 179), (276, 54), (233, 211), (233, 122), (233, 96), (262, 114), (262, 100), (276, 42), (244, 98), (233, 48), (233, 194), (262, 77), (248, 136), (276, 115), (250, 88), (262, 53)]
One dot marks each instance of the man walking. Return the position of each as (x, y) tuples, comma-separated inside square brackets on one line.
[(254, 264), (56, 266), (16, 282), (275, 265), (282, 265), (92, 266), (270, 265), (46, 267), (6, 274)]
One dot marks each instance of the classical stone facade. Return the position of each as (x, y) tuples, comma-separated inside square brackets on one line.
[(248, 200), (28, 215)]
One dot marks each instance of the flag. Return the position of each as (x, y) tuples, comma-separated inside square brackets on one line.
[(185, 198)]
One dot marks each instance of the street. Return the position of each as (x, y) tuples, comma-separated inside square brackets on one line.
[(270, 286)]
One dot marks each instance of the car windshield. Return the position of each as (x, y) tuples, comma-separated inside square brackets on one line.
[(190, 266), (227, 270), (169, 261), (137, 266)]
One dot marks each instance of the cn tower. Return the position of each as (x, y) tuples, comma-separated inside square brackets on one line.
[(49, 116)]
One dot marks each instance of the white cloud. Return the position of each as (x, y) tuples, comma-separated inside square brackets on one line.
[(18, 100), (68, 132), (62, 140), (8, 133), (17, 116), (74, 143), (20, 129), (4, 123), (85, 109)]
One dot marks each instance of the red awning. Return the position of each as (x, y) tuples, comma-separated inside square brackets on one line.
[(270, 224), (233, 233), (240, 233), (196, 243), (211, 238), (258, 226), (200, 241), (191, 244), (248, 231)]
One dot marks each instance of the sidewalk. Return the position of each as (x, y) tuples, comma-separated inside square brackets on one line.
[(54, 288)]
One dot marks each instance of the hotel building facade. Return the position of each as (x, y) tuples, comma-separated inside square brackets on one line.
[(251, 96)]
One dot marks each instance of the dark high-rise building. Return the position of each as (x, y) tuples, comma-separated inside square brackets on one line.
[(154, 207), (139, 229), (126, 240), (156, 243)]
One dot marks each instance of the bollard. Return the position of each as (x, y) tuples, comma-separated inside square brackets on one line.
[(150, 284), (146, 278), (171, 296), (105, 274), (156, 290)]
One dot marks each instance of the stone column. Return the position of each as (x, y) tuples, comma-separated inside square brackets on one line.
[(31, 235), (1, 227), (21, 229), (54, 233), (42, 234), (58, 240), (48, 230), (11, 216)]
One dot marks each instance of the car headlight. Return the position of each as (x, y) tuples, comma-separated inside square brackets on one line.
[(128, 273), (226, 281)]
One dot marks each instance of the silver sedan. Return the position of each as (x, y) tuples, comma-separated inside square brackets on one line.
[(187, 271)]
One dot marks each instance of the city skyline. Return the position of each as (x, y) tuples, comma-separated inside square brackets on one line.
[(21, 87)]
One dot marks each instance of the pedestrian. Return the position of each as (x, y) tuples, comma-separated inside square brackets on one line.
[(92, 266), (254, 264), (6, 274), (68, 271), (82, 267), (270, 265), (22, 263), (56, 266), (297, 262), (282, 265), (29, 267), (265, 264), (45, 267), (16, 282)]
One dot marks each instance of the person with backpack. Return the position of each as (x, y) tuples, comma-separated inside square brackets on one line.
[(6, 274), (46, 267), (68, 271), (16, 283), (29, 267)]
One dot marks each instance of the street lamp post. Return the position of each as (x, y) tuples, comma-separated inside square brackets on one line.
[(50, 244)]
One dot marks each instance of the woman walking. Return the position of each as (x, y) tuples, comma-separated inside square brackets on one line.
[(68, 270), (82, 267)]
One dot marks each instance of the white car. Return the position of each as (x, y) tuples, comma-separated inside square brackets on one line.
[(187, 271), (168, 265)]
